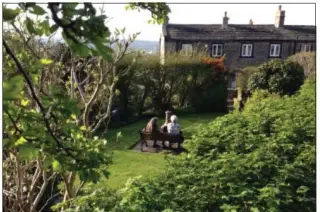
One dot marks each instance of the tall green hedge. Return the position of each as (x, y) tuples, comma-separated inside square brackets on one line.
[(181, 82)]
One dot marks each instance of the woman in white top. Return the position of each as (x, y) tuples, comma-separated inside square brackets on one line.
[(173, 126), (174, 129)]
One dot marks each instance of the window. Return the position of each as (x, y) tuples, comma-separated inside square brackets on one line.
[(217, 50), (275, 50), (305, 47), (246, 50), (186, 49)]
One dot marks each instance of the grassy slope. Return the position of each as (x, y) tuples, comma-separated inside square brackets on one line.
[(130, 164)]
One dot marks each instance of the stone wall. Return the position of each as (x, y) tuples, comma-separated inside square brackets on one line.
[(232, 49)]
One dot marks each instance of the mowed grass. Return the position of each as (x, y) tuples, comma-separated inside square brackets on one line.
[(128, 163)]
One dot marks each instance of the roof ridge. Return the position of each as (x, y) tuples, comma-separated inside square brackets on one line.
[(236, 25)]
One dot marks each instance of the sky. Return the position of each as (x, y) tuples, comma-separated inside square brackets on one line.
[(134, 21)]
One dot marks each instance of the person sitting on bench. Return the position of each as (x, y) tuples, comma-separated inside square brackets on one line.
[(164, 127), (152, 127), (174, 127)]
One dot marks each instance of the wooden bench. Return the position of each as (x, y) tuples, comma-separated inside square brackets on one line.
[(157, 136)]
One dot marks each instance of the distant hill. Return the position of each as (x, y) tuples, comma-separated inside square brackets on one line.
[(148, 46)]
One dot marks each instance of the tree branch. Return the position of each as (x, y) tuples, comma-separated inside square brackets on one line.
[(24, 40), (35, 98), (48, 201), (78, 189), (19, 191), (42, 189), (107, 114)]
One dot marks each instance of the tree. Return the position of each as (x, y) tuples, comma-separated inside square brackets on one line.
[(44, 141)]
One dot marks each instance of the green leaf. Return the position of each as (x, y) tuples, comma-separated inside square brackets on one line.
[(24, 102), (10, 14), (254, 210), (12, 88), (20, 141), (106, 173), (47, 162), (54, 28), (83, 175), (45, 27), (38, 10), (28, 152), (302, 189), (29, 24), (127, 7), (56, 166), (46, 61), (104, 50), (82, 50)]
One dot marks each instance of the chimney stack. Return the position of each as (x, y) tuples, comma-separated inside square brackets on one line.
[(225, 21), (250, 22), (280, 15)]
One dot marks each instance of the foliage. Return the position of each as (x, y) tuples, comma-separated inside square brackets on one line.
[(159, 11), (277, 76), (175, 84), (207, 88), (45, 143), (243, 76), (307, 60), (260, 160)]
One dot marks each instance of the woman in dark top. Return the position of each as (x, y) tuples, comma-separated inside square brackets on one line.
[(152, 127)]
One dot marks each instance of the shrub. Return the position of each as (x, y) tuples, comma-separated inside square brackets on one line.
[(207, 89), (276, 76), (182, 81), (208, 97), (260, 160), (307, 60), (242, 77)]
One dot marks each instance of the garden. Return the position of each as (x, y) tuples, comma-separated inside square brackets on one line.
[(72, 111)]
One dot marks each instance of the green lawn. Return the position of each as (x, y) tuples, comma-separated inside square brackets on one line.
[(128, 163)]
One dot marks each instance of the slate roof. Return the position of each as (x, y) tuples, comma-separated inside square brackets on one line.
[(198, 32)]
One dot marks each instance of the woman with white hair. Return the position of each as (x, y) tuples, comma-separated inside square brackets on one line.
[(173, 127)]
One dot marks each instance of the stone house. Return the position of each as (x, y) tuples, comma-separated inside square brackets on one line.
[(244, 44)]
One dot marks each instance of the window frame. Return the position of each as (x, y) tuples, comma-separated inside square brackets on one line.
[(216, 55), (241, 50), (280, 50), (186, 53), (305, 45)]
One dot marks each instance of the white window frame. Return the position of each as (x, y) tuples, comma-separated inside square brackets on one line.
[(217, 53), (247, 52), (273, 50), (186, 49), (304, 47)]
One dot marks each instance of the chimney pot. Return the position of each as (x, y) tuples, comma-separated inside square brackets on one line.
[(225, 20), (250, 22)]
